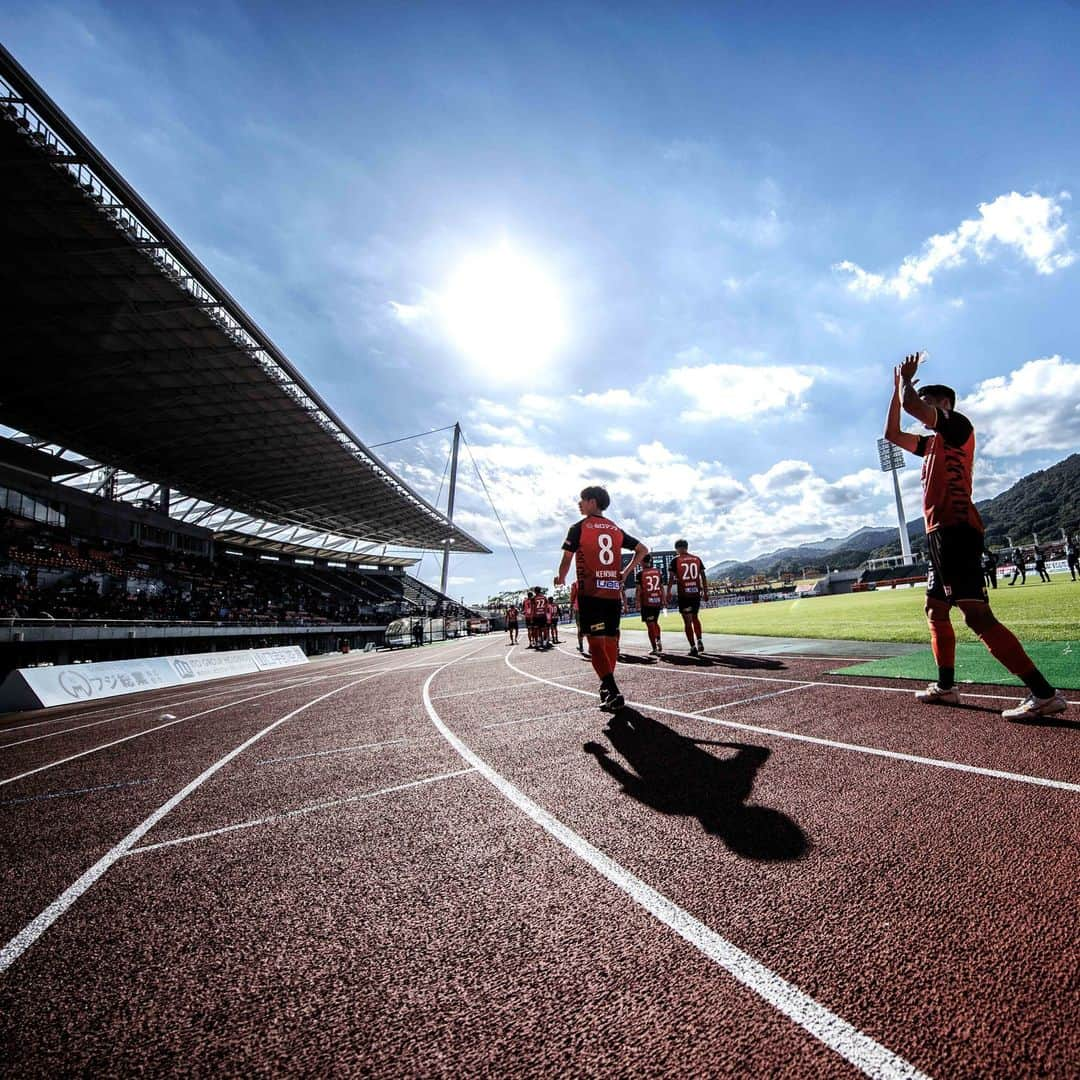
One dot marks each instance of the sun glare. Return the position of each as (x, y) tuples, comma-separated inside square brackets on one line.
[(504, 313)]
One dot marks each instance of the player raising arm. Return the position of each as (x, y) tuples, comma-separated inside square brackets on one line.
[(595, 544), (954, 535)]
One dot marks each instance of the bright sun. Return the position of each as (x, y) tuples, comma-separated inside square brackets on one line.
[(504, 313)]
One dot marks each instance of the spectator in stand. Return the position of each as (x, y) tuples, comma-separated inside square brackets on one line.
[(989, 567), (1072, 557), (1040, 564), (1018, 567)]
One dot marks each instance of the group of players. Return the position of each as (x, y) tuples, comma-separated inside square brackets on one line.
[(541, 615), (954, 534)]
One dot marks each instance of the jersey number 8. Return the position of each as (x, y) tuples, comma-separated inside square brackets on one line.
[(607, 549)]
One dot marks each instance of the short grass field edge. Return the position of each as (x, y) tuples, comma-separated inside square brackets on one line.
[(1059, 661), (1035, 612)]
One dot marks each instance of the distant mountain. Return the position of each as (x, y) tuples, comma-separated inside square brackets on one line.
[(1044, 502)]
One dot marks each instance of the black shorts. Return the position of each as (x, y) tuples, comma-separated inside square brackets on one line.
[(597, 617), (650, 614), (511, 624), (690, 605), (955, 564)]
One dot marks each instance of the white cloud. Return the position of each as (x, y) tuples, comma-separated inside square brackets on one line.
[(451, 580), (407, 313), (1035, 407), (610, 399), (1030, 225), (782, 476), (618, 435), (739, 392)]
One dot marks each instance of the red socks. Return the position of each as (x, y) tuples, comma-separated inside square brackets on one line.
[(943, 642), (1005, 647), (697, 627), (604, 654)]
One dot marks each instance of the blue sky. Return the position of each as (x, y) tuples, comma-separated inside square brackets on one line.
[(674, 249)]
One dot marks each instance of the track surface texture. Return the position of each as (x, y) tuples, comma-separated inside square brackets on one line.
[(449, 862)]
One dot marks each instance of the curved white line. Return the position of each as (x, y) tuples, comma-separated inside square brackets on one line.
[(873, 751), (846, 1040)]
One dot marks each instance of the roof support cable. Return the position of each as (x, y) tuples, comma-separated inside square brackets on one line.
[(494, 511)]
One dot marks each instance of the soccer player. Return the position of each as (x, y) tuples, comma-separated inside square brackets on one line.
[(512, 623), (1040, 564), (553, 620), (530, 623), (687, 574), (989, 567), (1019, 568), (650, 598), (540, 618), (1072, 556), (954, 533), (595, 545), (574, 610)]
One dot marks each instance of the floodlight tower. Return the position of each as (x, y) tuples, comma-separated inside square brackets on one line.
[(891, 459)]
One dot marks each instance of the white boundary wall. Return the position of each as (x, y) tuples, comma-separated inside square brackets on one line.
[(68, 684)]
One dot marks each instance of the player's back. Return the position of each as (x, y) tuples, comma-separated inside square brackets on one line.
[(689, 572), (598, 558)]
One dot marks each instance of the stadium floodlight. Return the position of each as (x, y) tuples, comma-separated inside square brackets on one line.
[(891, 459)]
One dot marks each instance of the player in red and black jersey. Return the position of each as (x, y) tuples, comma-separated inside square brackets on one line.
[(954, 534), (595, 545), (553, 620), (687, 574), (512, 623), (530, 624), (540, 619), (577, 620), (650, 598)]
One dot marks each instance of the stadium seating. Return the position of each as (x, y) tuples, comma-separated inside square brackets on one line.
[(47, 573)]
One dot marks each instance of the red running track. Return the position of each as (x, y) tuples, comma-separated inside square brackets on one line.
[(447, 862)]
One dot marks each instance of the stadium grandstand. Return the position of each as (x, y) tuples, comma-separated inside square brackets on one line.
[(169, 481)]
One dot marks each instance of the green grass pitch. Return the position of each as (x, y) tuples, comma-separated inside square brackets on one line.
[(1034, 612)]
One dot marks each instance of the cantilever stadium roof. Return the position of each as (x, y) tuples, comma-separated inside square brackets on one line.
[(120, 345)]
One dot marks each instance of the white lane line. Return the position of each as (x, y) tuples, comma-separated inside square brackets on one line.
[(845, 1039), (794, 736), (486, 690), (205, 712), (145, 731), (746, 701), (286, 814), (531, 719), (336, 750), (845, 685), (78, 791), (37, 926)]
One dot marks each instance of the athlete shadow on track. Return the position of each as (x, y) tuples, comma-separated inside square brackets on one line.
[(757, 663), (634, 658), (686, 661), (672, 774)]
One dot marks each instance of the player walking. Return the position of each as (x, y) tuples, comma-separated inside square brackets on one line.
[(553, 620), (687, 574), (595, 544), (512, 623), (1019, 568), (954, 533), (1072, 557), (1040, 564), (574, 610), (650, 597)]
